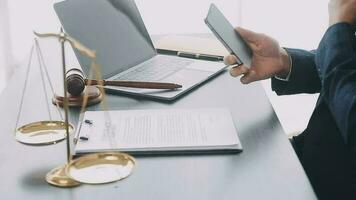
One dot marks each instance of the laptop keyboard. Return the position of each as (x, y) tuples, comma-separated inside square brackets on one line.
[(155, 69)]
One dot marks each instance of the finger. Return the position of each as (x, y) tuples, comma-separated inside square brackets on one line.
[(239, 70), (230, 60), (251, 76), (250, 37)]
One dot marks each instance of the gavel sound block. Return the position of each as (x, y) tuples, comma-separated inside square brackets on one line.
[(76, 88)]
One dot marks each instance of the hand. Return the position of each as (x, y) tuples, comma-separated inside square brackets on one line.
[(268, 60), (342, 11)]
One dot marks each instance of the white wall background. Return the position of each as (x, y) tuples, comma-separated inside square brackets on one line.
[(5, 45), (298, 24), (183, 16)]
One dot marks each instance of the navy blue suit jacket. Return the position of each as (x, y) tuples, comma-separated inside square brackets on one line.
[(327, 148)]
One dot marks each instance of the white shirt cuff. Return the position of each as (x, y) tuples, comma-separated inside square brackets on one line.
[(290, 71)]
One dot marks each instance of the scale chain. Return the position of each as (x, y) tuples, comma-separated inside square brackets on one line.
[(44, 66), (43, 82), (24, 88)]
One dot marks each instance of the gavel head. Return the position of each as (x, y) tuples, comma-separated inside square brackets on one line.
[(75, 82)]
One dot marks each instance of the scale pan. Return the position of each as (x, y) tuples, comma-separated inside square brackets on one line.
[(42, 133), (99, 168)]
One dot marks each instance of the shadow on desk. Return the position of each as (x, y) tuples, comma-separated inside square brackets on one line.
[(35, 179)]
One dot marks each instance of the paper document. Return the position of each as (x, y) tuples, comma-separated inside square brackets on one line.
[(152, 129)]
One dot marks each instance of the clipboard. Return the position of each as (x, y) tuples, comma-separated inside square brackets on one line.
[(191, 47), (159, 132)]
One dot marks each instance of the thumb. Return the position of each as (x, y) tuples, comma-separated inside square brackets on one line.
[(250, 37), (251, 76)]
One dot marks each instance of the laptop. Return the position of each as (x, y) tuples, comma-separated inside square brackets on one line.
[(115, 30)]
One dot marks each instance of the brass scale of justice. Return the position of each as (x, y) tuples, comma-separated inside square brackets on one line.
[(95, 168)]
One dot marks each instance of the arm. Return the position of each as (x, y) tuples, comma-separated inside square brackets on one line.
[(336, 62), (303, 78)]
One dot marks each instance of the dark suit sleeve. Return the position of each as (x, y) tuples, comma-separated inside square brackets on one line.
[(336, 62), (304, 75)]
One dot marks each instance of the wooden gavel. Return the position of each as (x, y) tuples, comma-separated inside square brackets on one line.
[(76, 83)]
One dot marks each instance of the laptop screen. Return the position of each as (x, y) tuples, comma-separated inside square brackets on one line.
[(113, 28)]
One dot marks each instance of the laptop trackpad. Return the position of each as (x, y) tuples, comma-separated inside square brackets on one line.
[(187, 77)]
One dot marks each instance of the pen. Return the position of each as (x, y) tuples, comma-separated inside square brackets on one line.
[(134, 84), (191, 55), (211, 58), (200, 56)]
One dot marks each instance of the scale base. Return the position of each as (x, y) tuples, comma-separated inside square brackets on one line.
[(58, 177), (94, 97)]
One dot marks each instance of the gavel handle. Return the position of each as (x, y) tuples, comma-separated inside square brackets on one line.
[(134, 84)]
